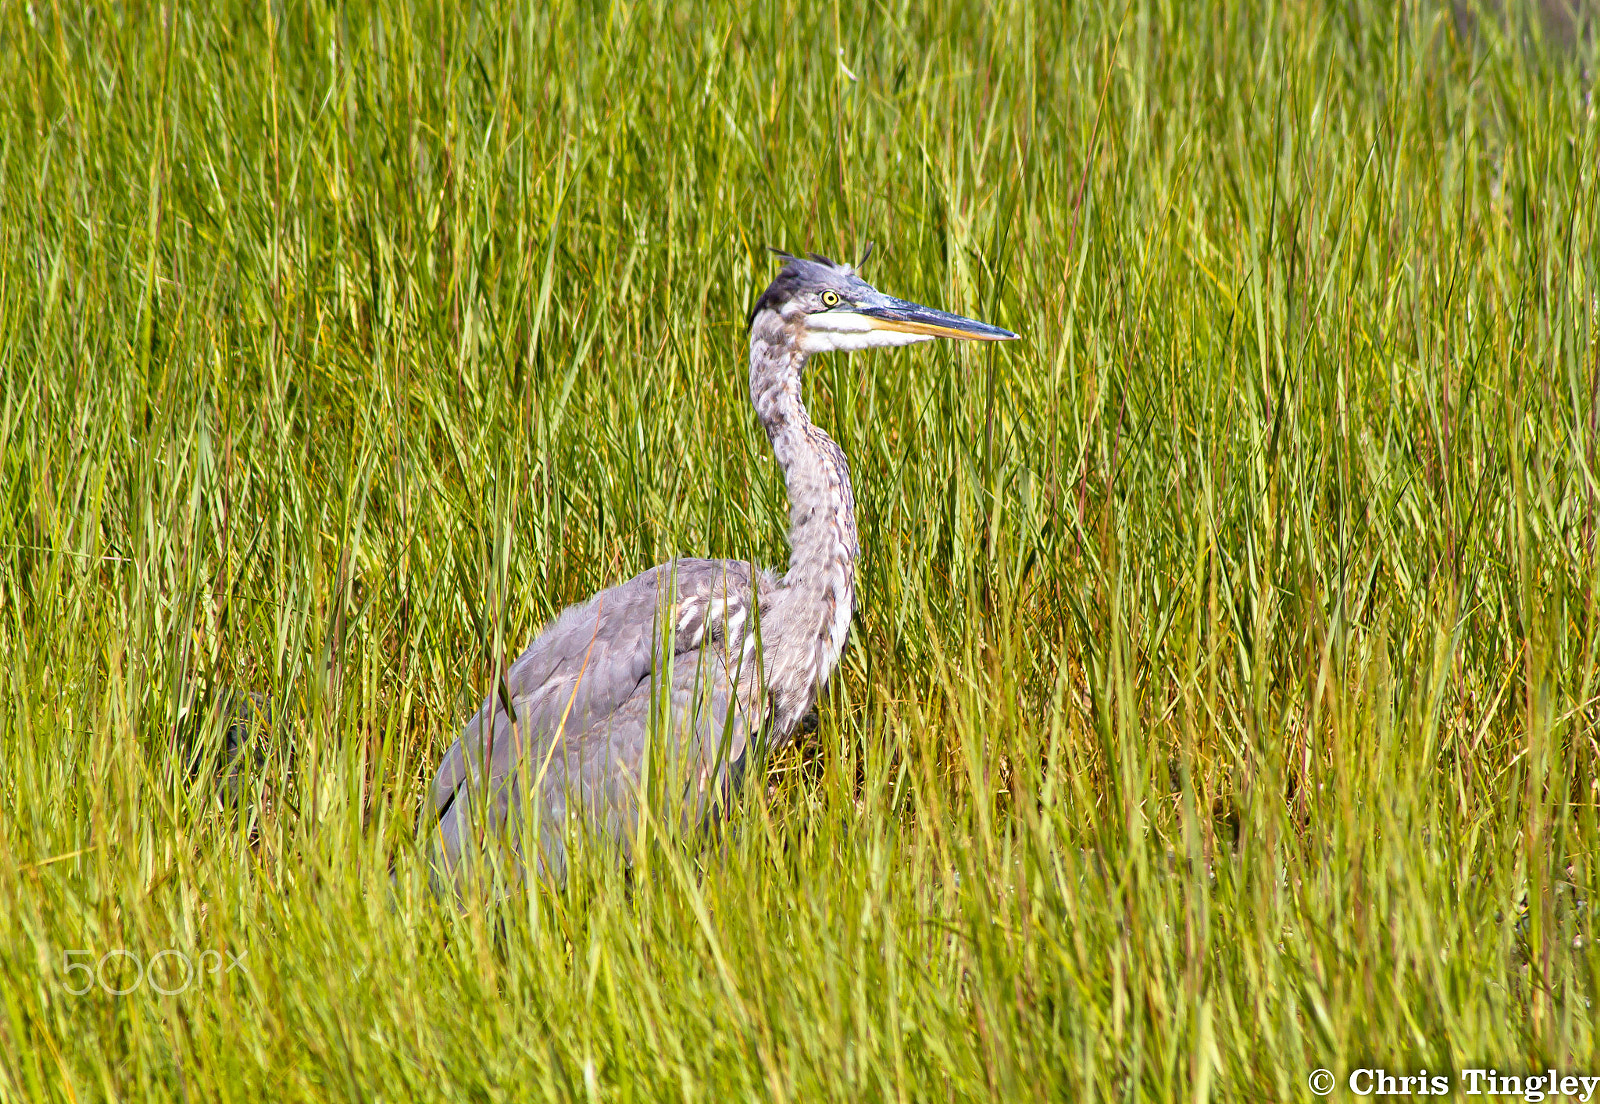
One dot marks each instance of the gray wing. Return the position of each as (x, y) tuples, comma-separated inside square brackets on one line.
[(583, 696)]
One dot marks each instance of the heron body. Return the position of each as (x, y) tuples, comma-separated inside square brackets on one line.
[(694, 668)]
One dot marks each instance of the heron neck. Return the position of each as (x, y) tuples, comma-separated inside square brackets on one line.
[(820, 583)]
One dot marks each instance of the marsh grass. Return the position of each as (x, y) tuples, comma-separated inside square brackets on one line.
[(1222, 700)]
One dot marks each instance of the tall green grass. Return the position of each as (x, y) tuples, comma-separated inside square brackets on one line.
[(1222, 702)]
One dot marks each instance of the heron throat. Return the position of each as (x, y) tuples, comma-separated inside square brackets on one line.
[(810, 619)]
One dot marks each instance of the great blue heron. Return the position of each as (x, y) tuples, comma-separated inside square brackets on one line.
[(693, 663)]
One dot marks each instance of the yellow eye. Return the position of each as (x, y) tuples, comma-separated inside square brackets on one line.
[(830, 299)]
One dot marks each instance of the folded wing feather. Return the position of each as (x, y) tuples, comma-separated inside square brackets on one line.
[(582, 695)]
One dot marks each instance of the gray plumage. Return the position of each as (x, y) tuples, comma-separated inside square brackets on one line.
[(691, 671)]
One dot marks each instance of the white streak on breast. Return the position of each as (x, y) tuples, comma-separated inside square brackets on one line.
[(686, 612), (841, 629)]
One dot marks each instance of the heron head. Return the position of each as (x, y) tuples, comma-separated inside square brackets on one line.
[(827, 307)]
